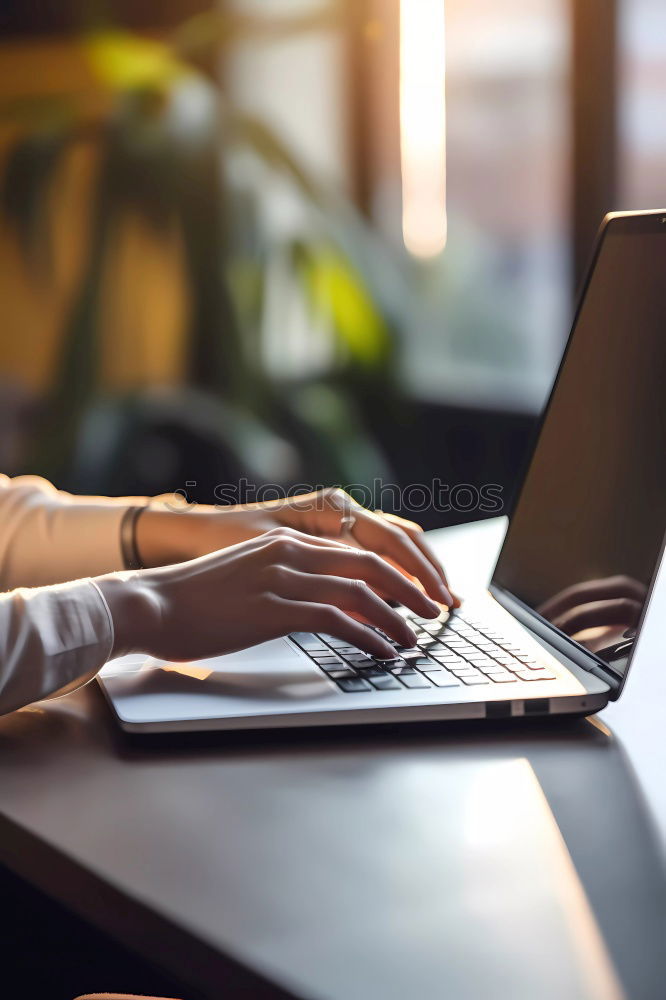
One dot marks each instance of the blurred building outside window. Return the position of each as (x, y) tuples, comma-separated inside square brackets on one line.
[(487, 316), (496, 301), (642, 112)]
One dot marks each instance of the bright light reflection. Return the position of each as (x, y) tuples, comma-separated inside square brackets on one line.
[(423, 126)]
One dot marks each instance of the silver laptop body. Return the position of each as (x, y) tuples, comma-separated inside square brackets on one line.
[(590, 514)]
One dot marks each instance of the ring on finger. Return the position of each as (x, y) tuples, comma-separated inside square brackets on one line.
[(347, 522)]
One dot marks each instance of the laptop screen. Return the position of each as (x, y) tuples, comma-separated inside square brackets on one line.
[(587, 531)]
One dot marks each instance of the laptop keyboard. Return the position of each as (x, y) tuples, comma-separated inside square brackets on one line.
[(451, 651)]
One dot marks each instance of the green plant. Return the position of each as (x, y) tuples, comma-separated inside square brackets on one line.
[(159, 141)]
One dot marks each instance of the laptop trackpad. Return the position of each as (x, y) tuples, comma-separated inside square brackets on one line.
[(271, 671)]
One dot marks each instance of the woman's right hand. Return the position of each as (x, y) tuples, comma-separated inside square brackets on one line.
[(599, 613), (280, 582)]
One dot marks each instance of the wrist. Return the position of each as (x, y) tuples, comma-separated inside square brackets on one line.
[(162, 537), (134, 611), (167, 537)]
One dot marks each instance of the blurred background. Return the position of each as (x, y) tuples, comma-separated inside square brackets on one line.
[(306, 241)]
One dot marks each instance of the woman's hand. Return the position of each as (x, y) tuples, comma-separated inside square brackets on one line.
[(280, 582), (171, 536), (598, 613)]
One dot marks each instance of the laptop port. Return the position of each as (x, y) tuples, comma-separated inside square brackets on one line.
[(537, 706), (498, 710)]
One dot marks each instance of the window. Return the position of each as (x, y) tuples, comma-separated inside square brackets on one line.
[(496, 300), (487, 315), (642, 112)]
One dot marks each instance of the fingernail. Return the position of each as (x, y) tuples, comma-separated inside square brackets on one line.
[(433, 607)]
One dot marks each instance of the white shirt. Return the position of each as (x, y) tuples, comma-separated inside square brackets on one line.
[(55, 636)]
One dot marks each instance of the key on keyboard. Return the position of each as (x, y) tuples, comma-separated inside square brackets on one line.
[(450, 652)]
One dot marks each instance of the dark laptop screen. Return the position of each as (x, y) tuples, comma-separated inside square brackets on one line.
[(587, 531)]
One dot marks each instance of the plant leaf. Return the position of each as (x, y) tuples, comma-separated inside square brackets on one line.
[(122, 60), (385, 273), (336, 290), (205, 33), (26, 187)]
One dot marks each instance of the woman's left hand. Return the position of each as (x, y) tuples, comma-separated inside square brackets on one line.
[(167, 536)]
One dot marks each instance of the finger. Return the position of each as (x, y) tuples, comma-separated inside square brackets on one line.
[(621, 611), (378, 535), (417, 535), (352, 596), (391, 542), (301, 536), (368, 566), (307, 552), (310, 617), (320, 512), (592, 590)]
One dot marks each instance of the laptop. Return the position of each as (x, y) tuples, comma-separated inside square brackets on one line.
[(555, 632)]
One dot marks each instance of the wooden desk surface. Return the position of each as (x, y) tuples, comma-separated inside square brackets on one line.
[(338, 865)]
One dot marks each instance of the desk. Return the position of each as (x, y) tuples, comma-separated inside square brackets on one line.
[(265, 864)]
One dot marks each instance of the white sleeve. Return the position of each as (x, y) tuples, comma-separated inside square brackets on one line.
[(48, 537), (52, 641)]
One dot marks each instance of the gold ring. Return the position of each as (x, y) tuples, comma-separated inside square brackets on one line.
[(347, 522)]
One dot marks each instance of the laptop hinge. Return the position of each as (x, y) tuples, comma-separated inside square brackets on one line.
[(562, 643), (605, 675)]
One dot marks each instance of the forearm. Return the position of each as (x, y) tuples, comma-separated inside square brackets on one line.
[(47, 538), (52, 640)]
